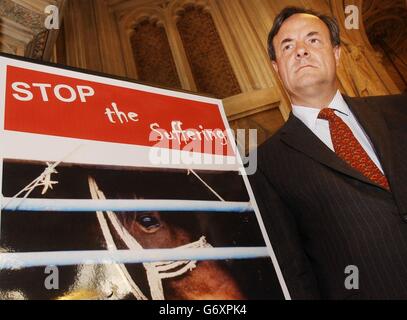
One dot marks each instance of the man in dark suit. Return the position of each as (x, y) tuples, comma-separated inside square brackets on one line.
[(331, 184)]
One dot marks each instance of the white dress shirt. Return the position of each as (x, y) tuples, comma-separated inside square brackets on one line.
[(320, 127)]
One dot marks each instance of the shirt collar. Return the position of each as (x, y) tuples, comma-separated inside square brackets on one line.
[(309, 115)]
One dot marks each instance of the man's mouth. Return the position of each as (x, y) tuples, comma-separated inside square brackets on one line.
[(306, 66)]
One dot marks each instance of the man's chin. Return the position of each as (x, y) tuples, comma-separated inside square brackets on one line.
[(309, 82)]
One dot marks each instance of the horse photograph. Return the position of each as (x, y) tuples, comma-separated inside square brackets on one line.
[(24, 229)]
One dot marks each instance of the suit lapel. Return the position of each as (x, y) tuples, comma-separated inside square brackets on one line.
[(298, 136)]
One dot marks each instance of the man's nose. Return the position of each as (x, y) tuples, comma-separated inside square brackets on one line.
[(301, 52)]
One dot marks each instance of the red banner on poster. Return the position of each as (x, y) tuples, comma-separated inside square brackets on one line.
[(50, 104)]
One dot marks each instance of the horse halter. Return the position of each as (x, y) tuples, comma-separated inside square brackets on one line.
[(155, 271)]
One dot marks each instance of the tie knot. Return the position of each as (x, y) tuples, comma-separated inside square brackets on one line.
[(327, 114)]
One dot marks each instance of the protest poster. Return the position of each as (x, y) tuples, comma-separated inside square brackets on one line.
[(113, 189)]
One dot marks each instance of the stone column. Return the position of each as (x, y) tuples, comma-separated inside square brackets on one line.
[(91, 37), (171, 17)]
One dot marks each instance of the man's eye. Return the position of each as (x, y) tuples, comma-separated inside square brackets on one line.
[(288, 46), (148, 221), (314, 40)]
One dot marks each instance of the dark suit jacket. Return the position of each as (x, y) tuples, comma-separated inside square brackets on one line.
[(322, 216)]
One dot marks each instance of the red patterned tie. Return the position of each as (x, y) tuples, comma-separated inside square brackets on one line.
[(348, 148)]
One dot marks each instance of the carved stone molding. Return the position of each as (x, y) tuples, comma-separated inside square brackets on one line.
[(177, 8), (35, 49), (22, 29), (387, 20), (133, 17), (386, 27), (21, 15), (360, 76)]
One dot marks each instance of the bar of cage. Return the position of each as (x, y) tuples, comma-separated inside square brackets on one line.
[(20, 260)]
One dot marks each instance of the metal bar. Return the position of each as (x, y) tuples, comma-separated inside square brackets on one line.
[(89, 205), (64, 258)]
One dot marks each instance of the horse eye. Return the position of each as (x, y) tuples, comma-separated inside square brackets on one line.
[(148, 222)]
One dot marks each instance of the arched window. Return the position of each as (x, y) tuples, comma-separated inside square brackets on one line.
[(152, 55), (207, 57)]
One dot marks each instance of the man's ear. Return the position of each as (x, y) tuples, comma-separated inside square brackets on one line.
[(275, 66), (337, 54)]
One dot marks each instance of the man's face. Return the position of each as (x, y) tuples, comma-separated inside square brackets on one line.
[(305, 57)]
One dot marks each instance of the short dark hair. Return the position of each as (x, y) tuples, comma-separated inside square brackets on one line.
[(288, 12)]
